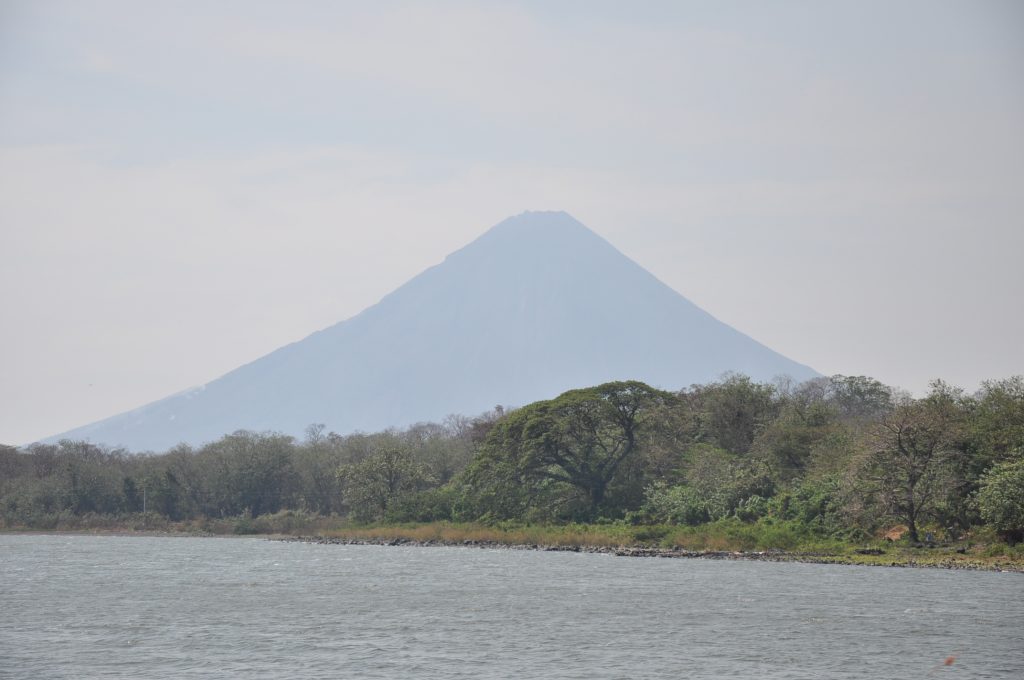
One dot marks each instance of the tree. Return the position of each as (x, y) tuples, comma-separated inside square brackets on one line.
[(787, 444), (91, 482), (858, 397), (993, 433), (732, 412), (248, 472), (717, 484), (579, 440), (373, 484), (445, 449), (913, 449), (1001, 499), (316, 465), (997, 422), (164, 494)]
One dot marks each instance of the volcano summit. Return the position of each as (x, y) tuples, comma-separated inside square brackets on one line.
[(537, 305)]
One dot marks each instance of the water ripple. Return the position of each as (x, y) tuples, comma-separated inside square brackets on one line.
[(119, 607)]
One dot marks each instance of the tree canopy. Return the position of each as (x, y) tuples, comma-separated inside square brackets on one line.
[(578, 442)]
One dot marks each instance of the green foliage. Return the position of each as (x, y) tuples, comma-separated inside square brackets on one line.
[(673, 505), (914, 446), (814, 503), (1001, 499), (732, 462), (565, 453), (247, 473), (859, 397), (722, 480), (731, 533), (996, 426), (650, 533), (430, 505), (372, 485), (718, 484), (316, 470), (731, 413), (163, 493), (787, 444), (751, 508)]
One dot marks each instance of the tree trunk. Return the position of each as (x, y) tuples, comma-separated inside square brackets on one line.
[(596, 498), (912, 530)]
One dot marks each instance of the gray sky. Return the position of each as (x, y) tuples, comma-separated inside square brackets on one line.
[(187, 186)]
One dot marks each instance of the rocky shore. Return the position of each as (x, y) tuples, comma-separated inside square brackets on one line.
[(865, 557)]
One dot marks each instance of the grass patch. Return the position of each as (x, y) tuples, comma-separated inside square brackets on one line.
[(571, 535), (734, 535)]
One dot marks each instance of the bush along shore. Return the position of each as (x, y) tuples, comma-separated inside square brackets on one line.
[(834, 469)]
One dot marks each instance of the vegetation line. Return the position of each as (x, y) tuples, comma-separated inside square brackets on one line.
[(839, 468)]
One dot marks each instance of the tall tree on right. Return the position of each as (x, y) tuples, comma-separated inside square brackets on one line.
[(912, 450)]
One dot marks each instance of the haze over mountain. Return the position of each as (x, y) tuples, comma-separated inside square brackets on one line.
[(537, 305)]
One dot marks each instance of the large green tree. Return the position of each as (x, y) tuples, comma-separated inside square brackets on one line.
[(581, 441)]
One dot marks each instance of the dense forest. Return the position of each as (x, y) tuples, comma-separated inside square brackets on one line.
[(844, 457)]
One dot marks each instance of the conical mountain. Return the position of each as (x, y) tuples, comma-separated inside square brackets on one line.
[(537, 305)]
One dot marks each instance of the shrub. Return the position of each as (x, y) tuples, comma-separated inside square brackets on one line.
[(432, 505), (675, 505), (1001, 500), (813, 503), (751, 509)]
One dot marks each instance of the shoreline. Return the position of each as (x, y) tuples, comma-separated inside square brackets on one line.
[(899, 557), (669, 553)]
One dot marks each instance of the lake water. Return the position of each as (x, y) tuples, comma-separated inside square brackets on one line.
[(141, 607)]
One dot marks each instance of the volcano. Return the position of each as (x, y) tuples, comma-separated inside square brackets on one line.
[(536, 305)]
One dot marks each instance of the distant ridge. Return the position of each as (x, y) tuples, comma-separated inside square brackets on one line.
[(536, 305)]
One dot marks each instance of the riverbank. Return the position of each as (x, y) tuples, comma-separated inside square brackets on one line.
[(897, 556), (725, 540)]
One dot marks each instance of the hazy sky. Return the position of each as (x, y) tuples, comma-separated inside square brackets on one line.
[(186, 186)]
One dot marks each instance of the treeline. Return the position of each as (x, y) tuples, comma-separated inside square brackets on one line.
[(244, 473), (844, 457)]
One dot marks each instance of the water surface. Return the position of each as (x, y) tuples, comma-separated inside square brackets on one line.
[(149, 607)]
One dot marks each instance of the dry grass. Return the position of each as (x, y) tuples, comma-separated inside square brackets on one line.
[(446, 533)]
